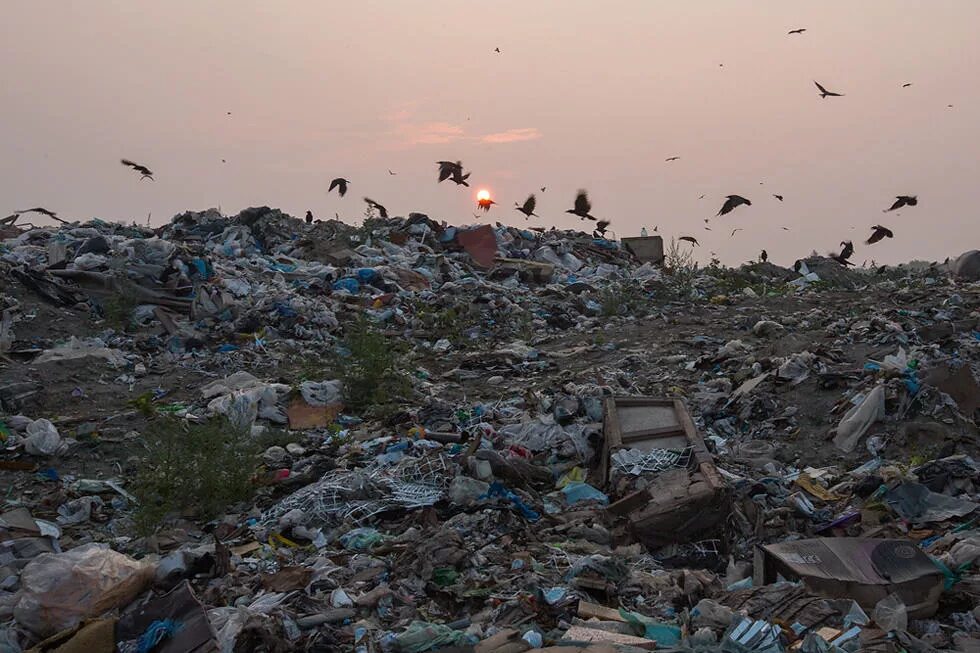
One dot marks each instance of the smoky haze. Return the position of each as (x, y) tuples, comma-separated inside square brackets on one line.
[(582, 95)]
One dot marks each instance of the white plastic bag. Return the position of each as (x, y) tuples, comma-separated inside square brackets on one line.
[(59, 590), (42, 438)]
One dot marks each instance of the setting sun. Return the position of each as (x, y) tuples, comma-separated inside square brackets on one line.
[(483, 195)]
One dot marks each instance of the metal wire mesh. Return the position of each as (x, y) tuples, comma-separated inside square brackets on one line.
[(637, 462)]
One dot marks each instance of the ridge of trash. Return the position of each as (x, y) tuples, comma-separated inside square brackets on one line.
[(570, 443)]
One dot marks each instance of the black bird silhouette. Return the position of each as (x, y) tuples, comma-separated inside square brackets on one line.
[(528, 207), (582, 206), (732, 202), (847, 250), (764, 256), (42, 211), (797, 31), (145, 173), (391, 173), (382, 211), (544, 188), (879, 233), (903, 200), (309, 217), (672, 158), (733, 232), (452, 170), (600, 228), (340, 184), (825, 93), (485, 204), (778, 197), (906, 84), (690, 239), (497, 50)]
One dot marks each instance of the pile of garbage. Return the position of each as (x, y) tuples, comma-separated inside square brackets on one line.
[(578, 446)]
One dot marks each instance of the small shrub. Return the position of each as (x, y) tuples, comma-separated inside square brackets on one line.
[(371, 374), (621, 299), (117, 311), (200, 468)]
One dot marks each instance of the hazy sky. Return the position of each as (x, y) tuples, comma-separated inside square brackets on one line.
[(583, 95)]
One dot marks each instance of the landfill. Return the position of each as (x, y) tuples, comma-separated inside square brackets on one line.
[(251, 433)]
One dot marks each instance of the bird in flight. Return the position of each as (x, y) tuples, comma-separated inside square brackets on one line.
[(377, 207), (846, 252), (797, 31), (825, 93), (391, 173), (528, 207), (497, 50), (764, 256), (778, 197), (600, 229), (452, 170), (309, 217), (732, 202), (582, 206), (485, 203), (671, 158), (543, 188), (785, 228), (903, 200), (690, 239), (879, 233), (700, 197), (340, 184), (42, 211), (733, 232), (906, 84), (145, 173)]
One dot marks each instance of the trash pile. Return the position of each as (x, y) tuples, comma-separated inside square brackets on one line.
[(253, 434)]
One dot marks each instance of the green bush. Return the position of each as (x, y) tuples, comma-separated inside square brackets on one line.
[(371, 374), (197, 468)]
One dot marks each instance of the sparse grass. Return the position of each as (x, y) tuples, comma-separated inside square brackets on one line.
[(448, 323), (372, 374), (679, 263), (117, 311), (198, 468), (621, 299)]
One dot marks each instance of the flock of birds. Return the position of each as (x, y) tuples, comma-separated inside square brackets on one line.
[(582, 206)]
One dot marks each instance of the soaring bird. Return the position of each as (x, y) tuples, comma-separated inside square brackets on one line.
[(528, 207), (906, 84), (732, 202), (497, 50), (145, 173), (391, 173), (825, 93), (600, 228), (690, 239), (733, 232), (41, 210), (797, 31), (544, 188), (582, 206), (452, 170), (340, 184), (382, 211), (764, 256), (671, 158), (903, 200), (309, 217), (879, 233), (778, 197)]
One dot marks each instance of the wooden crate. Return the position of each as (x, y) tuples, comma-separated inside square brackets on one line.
[(680, 505)]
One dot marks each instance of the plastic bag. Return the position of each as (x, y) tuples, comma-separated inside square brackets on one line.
[(361, 539), (422, 636), (859, 419), (890, 614), (42, 438), (59, 590)]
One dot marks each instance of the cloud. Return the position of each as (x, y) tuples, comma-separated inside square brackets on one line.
[(512, 136)]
